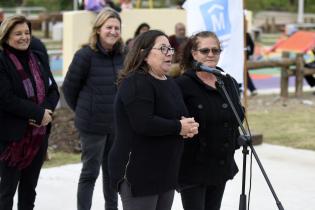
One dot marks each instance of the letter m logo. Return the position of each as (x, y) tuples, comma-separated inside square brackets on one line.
[(216, 17)]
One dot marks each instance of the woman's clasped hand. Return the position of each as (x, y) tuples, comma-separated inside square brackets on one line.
[(189, 127)]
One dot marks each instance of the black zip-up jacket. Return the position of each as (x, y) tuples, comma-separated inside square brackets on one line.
[(208, 158), (89, 88)]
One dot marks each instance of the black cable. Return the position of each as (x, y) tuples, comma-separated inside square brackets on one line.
[(250, 178)]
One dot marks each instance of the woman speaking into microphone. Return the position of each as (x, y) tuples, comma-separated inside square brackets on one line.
[(208, 160), (150, 123)]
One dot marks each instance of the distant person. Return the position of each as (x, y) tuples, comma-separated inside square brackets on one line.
[(179, 4), (259, 49), (126, 4), (143, 27), (89, 89), (94, 5), (38, 45), (150, 124), (178, 39), (28, 98), (208, 159), (249, 52), (80, 4), (113, 5), (98, 5), (309, 59)]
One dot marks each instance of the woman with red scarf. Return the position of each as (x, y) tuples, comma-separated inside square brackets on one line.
[(28, 96)]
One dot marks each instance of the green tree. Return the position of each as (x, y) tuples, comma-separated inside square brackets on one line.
[(279, 5), (309, 6), (51, 5), (6, 3)]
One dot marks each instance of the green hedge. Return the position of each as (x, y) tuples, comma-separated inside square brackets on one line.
[(279, 5), (255, 5)]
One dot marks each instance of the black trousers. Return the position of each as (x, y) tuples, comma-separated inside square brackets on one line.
[(250, 83), (25, 180), (310, 79), (95, 150), (202, 197), (162, 201)]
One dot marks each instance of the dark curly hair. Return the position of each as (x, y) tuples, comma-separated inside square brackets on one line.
[(142, 25), (186, 58)]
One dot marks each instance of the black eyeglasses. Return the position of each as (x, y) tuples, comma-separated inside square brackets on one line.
[(214, 51), (165, 50)]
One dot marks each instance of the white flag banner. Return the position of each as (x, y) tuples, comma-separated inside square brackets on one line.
[(225, 18)]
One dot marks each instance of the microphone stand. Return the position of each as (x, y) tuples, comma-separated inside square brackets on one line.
[(245, 141)]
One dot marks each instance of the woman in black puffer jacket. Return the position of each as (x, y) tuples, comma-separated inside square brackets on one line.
[(89, 89)]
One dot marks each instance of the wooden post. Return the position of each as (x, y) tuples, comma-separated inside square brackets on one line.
[(299, 75), (46, 32), (44, 18), (267, 25), (138, 4), (273, 25), (284, 79), (151, 4)]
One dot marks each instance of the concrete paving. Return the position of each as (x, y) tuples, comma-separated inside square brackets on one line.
[(291, 172)]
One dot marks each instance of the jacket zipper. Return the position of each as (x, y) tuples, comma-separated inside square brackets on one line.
[(126, 167), (125, 174), (114, 71)]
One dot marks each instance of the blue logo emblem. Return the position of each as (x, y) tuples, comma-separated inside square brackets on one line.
[(216, 17)]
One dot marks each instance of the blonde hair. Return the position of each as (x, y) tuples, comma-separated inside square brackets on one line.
[(100, 19), (8, 24)]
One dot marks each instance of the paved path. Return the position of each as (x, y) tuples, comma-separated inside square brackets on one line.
[(291, 171)]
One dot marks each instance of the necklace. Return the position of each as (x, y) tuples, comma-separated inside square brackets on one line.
[(162, 77)]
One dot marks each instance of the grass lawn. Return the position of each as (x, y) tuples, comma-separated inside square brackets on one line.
[(290, 123), (61, 158)]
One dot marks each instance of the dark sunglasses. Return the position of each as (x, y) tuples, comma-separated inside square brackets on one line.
[(214, 51), (165, 50)]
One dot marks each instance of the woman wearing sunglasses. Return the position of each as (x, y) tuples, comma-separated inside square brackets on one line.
[(208, 160), (150, 125)]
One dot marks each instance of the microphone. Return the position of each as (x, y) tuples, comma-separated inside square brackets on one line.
[(199, 66)]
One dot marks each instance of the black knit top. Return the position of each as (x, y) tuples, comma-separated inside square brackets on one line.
[(148, 147)]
